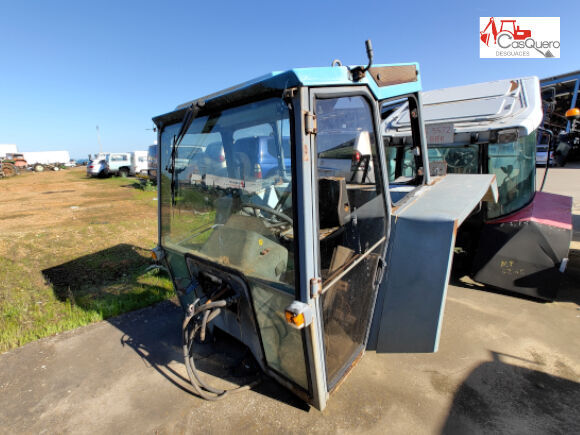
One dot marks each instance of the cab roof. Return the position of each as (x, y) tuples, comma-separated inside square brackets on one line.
[(384, 81)]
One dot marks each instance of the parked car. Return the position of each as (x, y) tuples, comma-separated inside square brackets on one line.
[(97, 167), (211, 161), (259, 158)]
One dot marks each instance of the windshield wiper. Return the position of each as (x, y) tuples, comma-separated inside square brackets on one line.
[(188, 118)]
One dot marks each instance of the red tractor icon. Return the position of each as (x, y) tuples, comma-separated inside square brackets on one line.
[(510, 27)]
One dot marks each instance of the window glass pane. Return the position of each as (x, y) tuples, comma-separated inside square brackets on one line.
[(226, 196), (514, 165), (457, 159), (350, 204), (351, 225), (282, 343), (402, 148)]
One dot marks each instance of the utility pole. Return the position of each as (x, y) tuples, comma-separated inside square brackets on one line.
[(99, 139)]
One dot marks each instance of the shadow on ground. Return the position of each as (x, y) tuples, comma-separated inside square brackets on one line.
[(498, 397), (98, 270), (154, 333), (223, 362), (108, 282)]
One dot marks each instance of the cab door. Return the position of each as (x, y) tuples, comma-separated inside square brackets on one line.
[(351, 221)]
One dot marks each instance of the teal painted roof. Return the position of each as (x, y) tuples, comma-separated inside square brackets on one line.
[(321, 76)]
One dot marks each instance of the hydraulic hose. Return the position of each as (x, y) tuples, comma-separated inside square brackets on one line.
[(207, 312)]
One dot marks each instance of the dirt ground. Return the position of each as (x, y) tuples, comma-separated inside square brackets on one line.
[(64, 199), (505, 364), (72, 251)]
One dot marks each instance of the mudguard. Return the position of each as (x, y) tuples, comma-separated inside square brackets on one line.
[(411, 298)]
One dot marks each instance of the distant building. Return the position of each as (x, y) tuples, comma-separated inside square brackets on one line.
[(7, 149)]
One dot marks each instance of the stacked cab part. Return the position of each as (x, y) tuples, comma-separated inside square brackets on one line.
[(290, 261), (561, 106), (520, 243)]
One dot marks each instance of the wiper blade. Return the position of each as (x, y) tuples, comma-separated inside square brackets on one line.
[(189, 117)]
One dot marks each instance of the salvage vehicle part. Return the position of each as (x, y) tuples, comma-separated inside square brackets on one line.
[(310, 263), (520, 243)]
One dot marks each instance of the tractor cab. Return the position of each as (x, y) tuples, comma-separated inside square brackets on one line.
[(276, 224)]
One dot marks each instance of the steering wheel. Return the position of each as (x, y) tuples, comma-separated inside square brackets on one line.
[(269, 210), (459, 158)]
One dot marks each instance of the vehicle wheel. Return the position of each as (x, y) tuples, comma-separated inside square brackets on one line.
[(8, 170), (123, 172), (55, 168), (38, 167)]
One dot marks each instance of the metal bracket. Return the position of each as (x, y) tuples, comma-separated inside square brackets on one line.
[(311, 126), (289, 94), (315, 287)]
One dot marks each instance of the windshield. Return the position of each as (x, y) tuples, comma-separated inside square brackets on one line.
[(514, 165), (226, 190)]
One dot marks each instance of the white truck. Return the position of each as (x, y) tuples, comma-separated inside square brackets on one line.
[(119, 164), (139, 164)]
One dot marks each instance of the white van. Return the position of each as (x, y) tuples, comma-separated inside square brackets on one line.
[(139, 164)]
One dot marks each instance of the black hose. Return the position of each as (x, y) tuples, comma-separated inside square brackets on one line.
[(210, 311), (204, 324)]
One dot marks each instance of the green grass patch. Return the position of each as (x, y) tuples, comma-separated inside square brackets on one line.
[(82, 271)]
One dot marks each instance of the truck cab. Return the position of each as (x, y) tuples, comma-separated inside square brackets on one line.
[(119, 164), (307, 263)]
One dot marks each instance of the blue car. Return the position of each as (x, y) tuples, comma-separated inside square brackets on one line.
[(259, 157)]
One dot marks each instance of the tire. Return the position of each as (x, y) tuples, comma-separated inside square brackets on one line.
[(55, 168), (38, 167), (123, 172), (8, 170)]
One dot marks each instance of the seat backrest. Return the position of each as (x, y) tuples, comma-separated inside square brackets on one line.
[(248, 146)]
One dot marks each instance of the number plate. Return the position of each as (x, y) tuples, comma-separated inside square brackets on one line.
[(439, 133)]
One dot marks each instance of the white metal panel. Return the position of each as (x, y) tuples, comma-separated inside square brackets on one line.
[(510, 103)]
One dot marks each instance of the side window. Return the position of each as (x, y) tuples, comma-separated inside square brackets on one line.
[(402, 144), (351, 210)]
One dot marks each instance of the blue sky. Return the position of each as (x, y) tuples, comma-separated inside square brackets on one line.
[(67, 66)]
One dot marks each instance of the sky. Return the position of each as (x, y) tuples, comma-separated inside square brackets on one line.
[(67, 67)]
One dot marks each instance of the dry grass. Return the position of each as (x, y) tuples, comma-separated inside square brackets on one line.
[(73, 251)]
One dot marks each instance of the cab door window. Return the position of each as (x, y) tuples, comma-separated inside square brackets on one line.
[(352, 222)]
